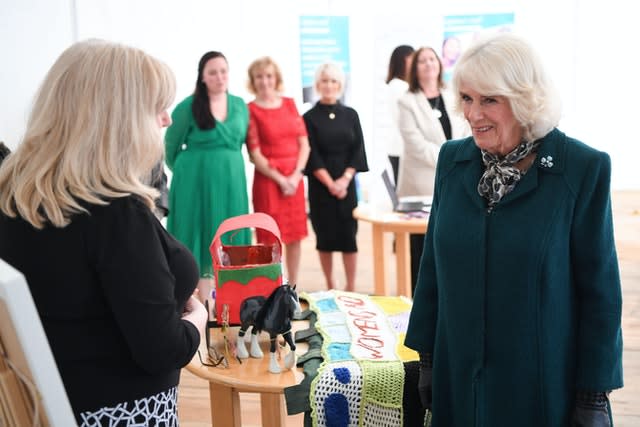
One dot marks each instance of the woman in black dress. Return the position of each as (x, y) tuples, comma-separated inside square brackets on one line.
[(337, 153)]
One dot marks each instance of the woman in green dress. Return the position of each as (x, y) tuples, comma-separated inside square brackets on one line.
[(203, 151)]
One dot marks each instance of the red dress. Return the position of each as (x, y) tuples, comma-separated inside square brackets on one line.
[(276, 131)]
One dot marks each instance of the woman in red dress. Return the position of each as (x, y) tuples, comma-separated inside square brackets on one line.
[(278, 147)]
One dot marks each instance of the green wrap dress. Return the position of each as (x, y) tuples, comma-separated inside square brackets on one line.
[(209, 183)]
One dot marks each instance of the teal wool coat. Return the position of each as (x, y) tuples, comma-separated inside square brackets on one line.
[(520, 306)]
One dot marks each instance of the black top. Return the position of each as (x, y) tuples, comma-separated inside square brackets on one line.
[(109, 288), (336, 143), (438, 103)]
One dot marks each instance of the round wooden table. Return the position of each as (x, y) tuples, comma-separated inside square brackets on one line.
[(401, 225), (250, 376)]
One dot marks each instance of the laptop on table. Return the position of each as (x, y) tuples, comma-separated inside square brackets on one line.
[(404, 206)]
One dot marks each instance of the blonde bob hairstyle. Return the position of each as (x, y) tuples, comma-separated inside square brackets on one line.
[(332, 71), (506, 65), (262, 64), (93, 134)]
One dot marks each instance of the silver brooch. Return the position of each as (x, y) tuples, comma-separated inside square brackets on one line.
[(547, 161)]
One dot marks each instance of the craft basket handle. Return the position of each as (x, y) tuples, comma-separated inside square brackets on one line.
[(252, 220)]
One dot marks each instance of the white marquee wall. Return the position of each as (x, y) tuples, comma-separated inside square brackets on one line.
[(585, 45)]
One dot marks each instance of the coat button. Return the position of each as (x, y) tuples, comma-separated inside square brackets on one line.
[(183, 146)]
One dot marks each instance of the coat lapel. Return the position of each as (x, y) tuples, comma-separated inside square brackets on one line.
[(527, 184), (469, 155), (550, 159), (427, 121)]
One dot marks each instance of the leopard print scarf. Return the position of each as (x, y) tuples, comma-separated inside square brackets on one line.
[(501, 176)]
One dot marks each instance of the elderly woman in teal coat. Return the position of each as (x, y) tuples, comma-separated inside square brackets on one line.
[(517, 310)]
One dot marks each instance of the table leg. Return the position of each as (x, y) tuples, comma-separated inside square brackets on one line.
[(272, 409), (403, 258), (225, 406), (379, 261)]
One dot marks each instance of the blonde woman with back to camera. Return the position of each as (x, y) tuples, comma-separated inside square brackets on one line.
[(517, 310), (279, 149), (113, 288)]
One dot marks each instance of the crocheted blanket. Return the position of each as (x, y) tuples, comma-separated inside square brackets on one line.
[(361, 380)]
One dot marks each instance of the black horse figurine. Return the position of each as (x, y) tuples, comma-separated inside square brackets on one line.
[(272, 315)]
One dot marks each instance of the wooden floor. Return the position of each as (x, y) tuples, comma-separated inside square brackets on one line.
[(193, 398)]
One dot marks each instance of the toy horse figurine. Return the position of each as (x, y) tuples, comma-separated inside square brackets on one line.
[(272, 315)]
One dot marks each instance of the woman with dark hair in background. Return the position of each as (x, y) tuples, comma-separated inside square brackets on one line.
[(397, 77), (426, 119), (203, 149)]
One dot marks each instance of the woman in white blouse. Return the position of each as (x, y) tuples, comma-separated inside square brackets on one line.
[(426, 120)]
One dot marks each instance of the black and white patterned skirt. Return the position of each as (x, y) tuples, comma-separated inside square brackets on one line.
[(159, 410)]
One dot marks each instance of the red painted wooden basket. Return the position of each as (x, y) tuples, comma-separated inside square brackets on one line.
[(244, 271)]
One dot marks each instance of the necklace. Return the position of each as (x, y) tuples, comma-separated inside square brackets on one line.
[(331, 108), (435, 106)]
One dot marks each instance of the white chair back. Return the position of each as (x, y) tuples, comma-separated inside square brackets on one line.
[(31, 390)]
